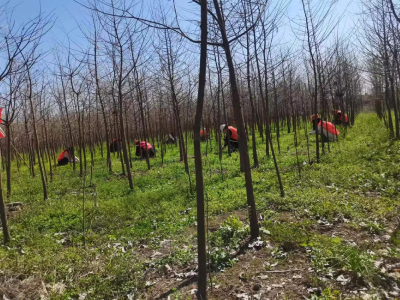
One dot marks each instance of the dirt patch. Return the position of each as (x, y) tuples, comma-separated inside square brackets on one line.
[(14, 208), (354, 236), (160, 284), (16, 289), (254, 276), (261, 275), (161, 280), (343, 231), (251, 276)]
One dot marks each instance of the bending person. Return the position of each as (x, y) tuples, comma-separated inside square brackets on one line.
[(327, 130), (204, 135), (65, 157), (141, 149), (115, 146), (231, 137), (339, 117), (169, 139)]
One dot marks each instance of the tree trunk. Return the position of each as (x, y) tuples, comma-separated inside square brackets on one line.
[(30, 94), (3, 215), (201, 236), (254, 229), (8, 158)]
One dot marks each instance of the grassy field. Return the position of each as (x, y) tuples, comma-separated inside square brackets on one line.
[(335, 234)]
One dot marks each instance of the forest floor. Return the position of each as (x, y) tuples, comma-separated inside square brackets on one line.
[(335, 234)]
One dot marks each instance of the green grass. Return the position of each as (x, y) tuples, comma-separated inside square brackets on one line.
[(357, 180)]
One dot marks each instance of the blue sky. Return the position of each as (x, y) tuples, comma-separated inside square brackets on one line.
[(68, 13)]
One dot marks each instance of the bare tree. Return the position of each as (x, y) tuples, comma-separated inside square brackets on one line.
[(201, 236), (18, 45)]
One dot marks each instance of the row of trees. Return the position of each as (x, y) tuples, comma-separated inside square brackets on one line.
[(136, 78), (382, 60)]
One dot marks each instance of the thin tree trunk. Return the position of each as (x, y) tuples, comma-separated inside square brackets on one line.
[(254, 229), (3, 215), (30, 95), (201, 237)]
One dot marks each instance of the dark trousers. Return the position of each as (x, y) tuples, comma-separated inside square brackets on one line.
[(234, 145), (63, 162), (114, 147), (204, 138), (152, 152), (324, 138)]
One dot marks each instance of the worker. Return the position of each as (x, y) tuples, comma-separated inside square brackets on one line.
[(338, 117), (169, 139), (231, 137), (204, 135), (141, 149), (65, 157), (115, 146), (329, 131)]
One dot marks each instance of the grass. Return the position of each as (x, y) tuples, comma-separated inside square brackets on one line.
[(358, 180)]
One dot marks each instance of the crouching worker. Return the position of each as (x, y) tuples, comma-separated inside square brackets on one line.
[(169, 139), (141, 149), (231, 137), (65, 157), (204, 135), (339, 118), (115, 146), (328, 131)]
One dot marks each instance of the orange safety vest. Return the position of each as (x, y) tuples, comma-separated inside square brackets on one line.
[(234, 135), (340, 118), (62, 155), (330, 127), (345, 117), (143, 146), (202, 133)]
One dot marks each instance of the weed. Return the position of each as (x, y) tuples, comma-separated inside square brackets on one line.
[(326, 294), (341, 258), (225, 241), (395, 238), (289, 235), (180, 257), (232, 231), (374, 227)]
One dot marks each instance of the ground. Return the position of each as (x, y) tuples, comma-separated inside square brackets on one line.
[(335, 234)]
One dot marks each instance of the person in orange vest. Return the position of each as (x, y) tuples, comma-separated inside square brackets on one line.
[(204, 135), (115, 146), (327, 130), (231, 137), (339, 119), (65, 157), (141, 149)]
